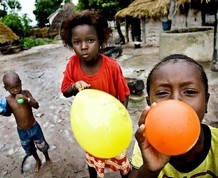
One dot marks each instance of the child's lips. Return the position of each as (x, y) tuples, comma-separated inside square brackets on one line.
[(85, 55)]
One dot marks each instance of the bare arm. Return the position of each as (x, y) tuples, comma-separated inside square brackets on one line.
[(75, 88), (28, 98), (125, 103)]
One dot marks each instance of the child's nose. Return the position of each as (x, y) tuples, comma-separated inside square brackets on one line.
[(83, 45), (176, 96)]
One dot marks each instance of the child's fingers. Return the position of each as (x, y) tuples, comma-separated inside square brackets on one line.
[(143, 116), (81, 85), (84, 87), (153, 104), (19, 96), (140, 133), (141, 137), (80, 89)]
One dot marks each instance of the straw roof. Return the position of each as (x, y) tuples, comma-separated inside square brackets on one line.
[(67, 9), (6, 34), (147, 9)]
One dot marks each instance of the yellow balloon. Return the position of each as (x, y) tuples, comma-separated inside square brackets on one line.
[(101, 124)]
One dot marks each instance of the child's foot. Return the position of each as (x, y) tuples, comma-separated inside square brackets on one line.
[(48, 165), (38, 166)]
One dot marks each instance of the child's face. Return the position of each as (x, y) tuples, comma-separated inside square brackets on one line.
[(13, 87), (85, 42), (180, 81)]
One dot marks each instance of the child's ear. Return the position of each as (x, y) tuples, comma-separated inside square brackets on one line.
[(148, 101), (6, 88)]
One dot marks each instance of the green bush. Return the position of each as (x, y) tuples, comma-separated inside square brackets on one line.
[(30, 42), (40, 41)]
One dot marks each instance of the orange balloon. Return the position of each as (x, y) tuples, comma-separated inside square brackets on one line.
[(172, 127)]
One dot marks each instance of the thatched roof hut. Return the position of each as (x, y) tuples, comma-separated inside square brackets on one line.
[(6, 34), (54, 28), (148, 9)]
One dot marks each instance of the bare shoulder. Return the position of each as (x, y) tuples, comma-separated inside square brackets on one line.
[(11, 101), (9, 98), (26, 93)]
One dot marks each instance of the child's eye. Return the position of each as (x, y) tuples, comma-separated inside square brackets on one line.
[(91, 40), (162, 93), (75, 42), (190, 92)]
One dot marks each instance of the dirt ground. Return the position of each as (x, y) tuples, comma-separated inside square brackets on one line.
[(41, 70)]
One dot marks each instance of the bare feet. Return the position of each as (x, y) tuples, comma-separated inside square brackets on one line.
[(48, 164), (38, 165)]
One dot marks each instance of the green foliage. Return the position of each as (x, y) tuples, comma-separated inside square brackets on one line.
[(3, 13), (3, 3), (41, 41), (30, 42), (14, 5), (107, 8), (44, 8), (14, 22), (10, 5), (19, 25), (25, 23)]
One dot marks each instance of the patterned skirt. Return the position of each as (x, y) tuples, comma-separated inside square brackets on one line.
[(118, 163)]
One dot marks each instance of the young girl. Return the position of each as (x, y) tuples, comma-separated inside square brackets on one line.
[(181, 78), (85, 32)]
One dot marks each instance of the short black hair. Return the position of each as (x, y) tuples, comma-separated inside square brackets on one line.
[(9, 77), (175, 58)]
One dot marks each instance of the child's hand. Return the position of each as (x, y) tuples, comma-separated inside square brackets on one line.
[(21, 96), (153, 160), (80, 85)]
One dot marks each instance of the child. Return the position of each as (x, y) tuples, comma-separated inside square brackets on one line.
[(85, 32), (28, 129), (181, 78)]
